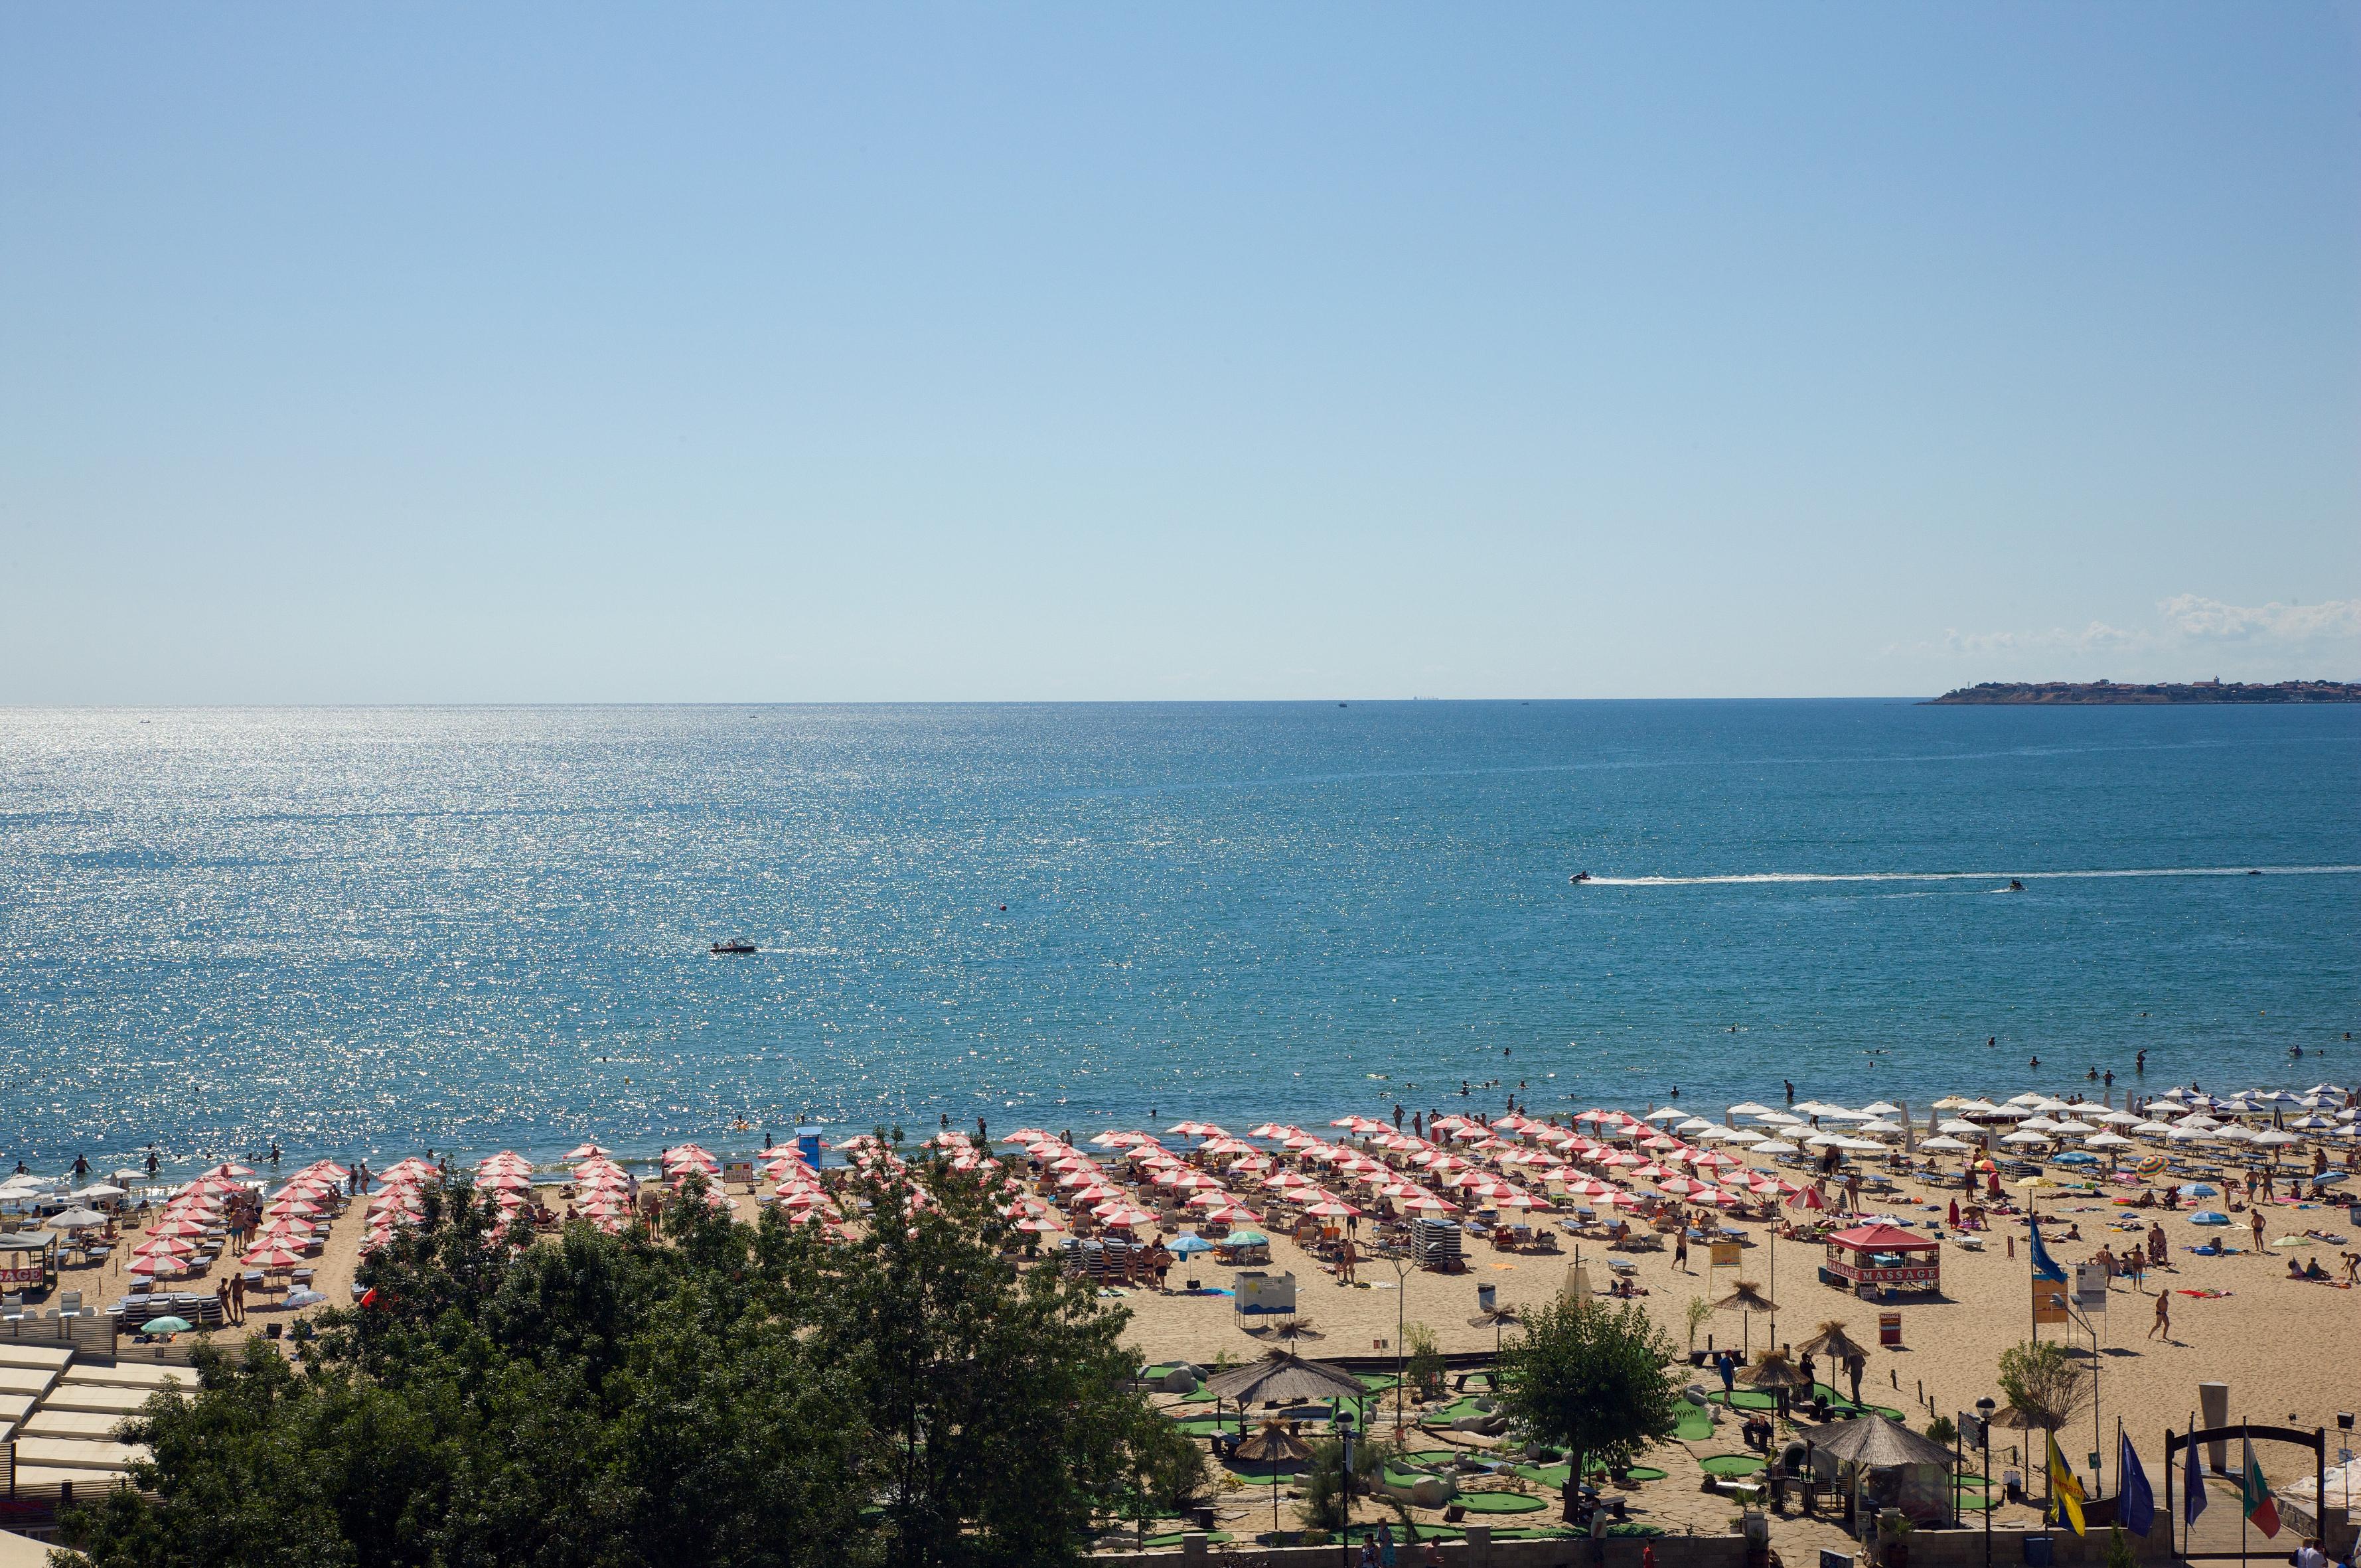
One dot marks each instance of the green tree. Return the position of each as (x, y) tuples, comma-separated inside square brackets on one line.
[(2045, 1385), (1593, 1379), (1324, 1505), (733, 1395), (1424, 1368), (1696, 1315), (998, 1397)]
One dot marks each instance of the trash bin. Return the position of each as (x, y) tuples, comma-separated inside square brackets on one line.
[(2036, 1552)]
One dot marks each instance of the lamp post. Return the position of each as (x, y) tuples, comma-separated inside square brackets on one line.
[(1984, 1408), (1345, 1434), (1401, 1311)]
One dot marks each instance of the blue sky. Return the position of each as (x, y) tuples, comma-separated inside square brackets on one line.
[(570, 352)]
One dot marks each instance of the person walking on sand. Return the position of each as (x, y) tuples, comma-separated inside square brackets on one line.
[(2163, 1324), (2255, 1224), (1681, 1249), (1346, 1256)]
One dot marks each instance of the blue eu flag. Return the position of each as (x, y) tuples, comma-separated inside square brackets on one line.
[(2134, 1504)]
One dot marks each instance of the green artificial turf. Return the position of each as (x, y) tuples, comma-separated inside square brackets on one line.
[(1744, 1399), (1732, 1465), (1695, 1423), (1213, 1537), (1500, 1503)]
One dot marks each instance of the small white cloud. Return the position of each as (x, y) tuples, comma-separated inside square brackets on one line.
[(2095, 636), (2193, 617), (2274, 633)]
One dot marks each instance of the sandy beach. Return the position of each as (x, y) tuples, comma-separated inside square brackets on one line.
[(2285, 1347)]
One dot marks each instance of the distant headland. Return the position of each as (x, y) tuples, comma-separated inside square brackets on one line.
[(2067, 692)]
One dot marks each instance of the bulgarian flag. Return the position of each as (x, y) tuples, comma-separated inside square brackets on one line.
[(2261, 1512)]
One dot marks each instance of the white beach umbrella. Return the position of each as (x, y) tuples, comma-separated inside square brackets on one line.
[(1748, 1136), (2273, 1136), (2153, 1129), (1860, 1145), (99, 1190), (2023, 1137), (1779, 1118), (1880, 1108), (2107, 1141), (2072, 1125), (2028, 1101), (1775, 1145), (1748, 1108), (1947, 1145), (1695, 1125), (2121, 1118), (2190, 1134), (1958, 1128), (2234, 1134), (1882, 1128)]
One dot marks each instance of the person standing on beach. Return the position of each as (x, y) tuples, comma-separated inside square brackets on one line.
[(1681, 1249), (2256, 1224), (2163, 1324)]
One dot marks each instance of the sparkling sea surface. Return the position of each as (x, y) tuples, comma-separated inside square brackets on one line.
[(372, 931)]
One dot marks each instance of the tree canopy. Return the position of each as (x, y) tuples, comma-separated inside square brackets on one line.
[(1590, 1378), (2043, 1382), (734, 1394)]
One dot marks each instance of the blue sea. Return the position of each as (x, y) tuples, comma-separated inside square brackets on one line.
[(378, 930)]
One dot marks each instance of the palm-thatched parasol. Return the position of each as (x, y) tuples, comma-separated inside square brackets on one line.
[(1283, 1379), (1492, 1317), (1833, 1342), (1875, 1441), (1276, 1444), (1294, 1327), (1773, 1372), (1747, 1297)]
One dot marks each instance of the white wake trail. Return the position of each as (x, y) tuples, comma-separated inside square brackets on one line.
[(1754, 877)]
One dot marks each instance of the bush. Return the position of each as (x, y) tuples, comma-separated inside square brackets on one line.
[(1940, 1430), (1425, 1369)]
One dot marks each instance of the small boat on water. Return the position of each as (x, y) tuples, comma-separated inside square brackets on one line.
[(730, 948), (2015, 885), (1579, 877)]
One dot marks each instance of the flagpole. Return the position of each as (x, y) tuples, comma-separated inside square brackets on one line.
[(2248, 1443)]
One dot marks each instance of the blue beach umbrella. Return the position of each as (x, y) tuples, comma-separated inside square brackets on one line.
[(1182, 1245), (2199, 1190), (2209, 1217)]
